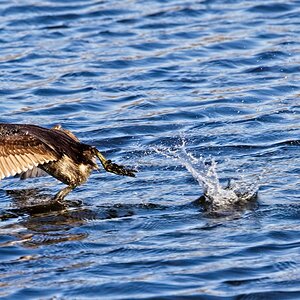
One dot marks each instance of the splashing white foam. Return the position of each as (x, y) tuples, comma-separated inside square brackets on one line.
[(205, 172)]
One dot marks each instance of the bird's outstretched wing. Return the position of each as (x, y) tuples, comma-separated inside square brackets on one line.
[(21, 150)]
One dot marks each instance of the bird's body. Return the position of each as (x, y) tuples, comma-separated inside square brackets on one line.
[(30, 150)]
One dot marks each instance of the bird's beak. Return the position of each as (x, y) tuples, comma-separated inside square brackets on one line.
[(111, 167)]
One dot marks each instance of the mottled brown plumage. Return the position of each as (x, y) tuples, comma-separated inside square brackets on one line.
[(30, 150)]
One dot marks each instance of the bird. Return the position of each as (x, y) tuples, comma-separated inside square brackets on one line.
[(28, 150)]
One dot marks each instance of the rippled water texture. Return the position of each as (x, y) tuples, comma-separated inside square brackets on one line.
[(135, 78)]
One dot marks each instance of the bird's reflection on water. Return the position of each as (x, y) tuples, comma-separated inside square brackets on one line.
[(41, 220), (33, 201)]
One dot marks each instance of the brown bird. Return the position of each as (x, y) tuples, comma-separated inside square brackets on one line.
[(30, 151)]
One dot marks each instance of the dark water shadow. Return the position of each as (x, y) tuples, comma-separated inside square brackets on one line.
[(35, 203), (120, 210), (40, 220), (32, 202), (44, 220)]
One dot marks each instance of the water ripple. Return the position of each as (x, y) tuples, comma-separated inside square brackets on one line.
[(132, 78)]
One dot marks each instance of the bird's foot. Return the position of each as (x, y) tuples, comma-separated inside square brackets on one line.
[(59, 197)]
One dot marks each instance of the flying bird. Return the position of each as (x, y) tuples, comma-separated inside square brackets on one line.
[(31, 151)]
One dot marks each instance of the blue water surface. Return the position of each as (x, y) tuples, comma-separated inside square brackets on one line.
[(131, 77)]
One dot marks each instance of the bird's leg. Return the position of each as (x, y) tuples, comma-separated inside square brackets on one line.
[(63, 193), (109, 166)]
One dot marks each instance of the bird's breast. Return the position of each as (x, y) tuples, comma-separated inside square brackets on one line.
[(68, 171)]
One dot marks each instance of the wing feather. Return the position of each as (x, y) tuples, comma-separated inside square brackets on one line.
[(6, 168), (3, 168), (17, 166), (11, 165), (21, 151), (21, 162)]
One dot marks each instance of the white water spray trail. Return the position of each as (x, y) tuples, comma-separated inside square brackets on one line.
[(205, 172)]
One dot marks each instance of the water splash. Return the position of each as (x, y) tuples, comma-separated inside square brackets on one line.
[(215, 196)]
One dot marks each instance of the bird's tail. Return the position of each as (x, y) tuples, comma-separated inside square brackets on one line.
[(111, 167)]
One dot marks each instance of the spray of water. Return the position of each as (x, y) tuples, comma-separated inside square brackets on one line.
[(204, 170)]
